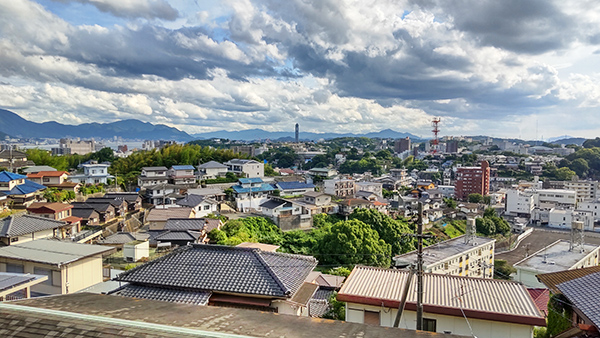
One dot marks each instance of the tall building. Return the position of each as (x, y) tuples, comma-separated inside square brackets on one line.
[(402, 145), (452, 147), (297, 132), (472, 180), (67, 147)]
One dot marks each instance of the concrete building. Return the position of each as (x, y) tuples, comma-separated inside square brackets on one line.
[(593, 206), (246, 168), (374, 187), (402, 145), (452, 147), (373, 296), (563, 218), (472, 180), (555, 198), (323, 172), (586, 190), (519, 203), (558, 256), (340, 187), (68, 147), (70, 267), (446, 190), (456, 257)]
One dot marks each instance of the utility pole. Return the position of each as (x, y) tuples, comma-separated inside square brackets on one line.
[(420, 268)]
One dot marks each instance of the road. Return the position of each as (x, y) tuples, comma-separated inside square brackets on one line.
[(540, 238)]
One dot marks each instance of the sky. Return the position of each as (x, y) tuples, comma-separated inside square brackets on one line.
[(512, 68)]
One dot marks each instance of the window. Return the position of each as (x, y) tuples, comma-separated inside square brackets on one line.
[(207, 207), (372, 318), (429, 325), (15, 268), (44, 272)]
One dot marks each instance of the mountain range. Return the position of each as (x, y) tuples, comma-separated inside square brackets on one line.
[(16, 126), (259, 134)]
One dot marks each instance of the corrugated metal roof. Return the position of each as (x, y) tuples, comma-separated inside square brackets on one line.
[(262, 188), (378, 285), (51, 251), (251, 180), (183, 167)]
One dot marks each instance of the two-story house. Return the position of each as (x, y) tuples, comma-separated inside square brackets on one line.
[(133, 199), (104, 210), (54, 179), (246, 168), (182, 174), (318, 203), (93, 173), (293, 188), (250, 193), (211, 169), (151, 176), (20, 228), (286, 214), (19, 189), (201, 205), (57, 211)]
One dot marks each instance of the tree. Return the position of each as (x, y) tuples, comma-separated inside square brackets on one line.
[(269, 171), (475, 198), (352, 242), (389, 229), (580, 167), (487, 199), (564, 174), (337, 309), (485, 226), (490, 212), (450, 203), (502, 270)]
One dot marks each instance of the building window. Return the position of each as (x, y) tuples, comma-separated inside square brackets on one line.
[(372, 318), (429, 325), (44, 272)]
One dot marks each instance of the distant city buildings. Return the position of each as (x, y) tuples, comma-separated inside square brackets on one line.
[(68, 147)]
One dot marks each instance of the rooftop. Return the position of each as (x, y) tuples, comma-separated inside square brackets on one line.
[(499, 300), (111, 316), (555, 257), (41, 174), (27, 187), (23, 224), (192, 224), (157, 215), (552, 279), (15, 281), (232, 270), (51, 251), (584, 293), (295, 185), (443, 250), (250, 180), (124, 237), (37, 168), (7, 176), (212, 165), (192, 200), (262, 188), (44, 207), (182, 167), (154, 169), (261, 246)]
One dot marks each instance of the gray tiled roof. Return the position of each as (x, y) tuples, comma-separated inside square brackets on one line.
[(212, 165), (194, 200), (584, 293), (319, 304), (127, 196), (164, 294), (225, 269), (98, 206), (185, 224), (83, 212), (124, 237), (272, 204), (175, 235), (22, 224)]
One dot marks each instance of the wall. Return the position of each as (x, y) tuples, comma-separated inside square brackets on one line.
[(31, 237), (82, 274), (287, 308), (29, 267), (456, 325)]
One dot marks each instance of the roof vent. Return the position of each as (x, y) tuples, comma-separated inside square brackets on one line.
[(552, 262)]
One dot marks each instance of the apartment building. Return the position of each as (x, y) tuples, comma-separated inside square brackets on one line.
[(586, 190), (472, 180), (340, 187)]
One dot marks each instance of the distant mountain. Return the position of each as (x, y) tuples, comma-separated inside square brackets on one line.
[(17, 126), (571, 140), (259, 134), (558, 138)]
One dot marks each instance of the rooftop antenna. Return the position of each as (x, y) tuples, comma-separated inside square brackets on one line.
[(436, 130), (577, 236)]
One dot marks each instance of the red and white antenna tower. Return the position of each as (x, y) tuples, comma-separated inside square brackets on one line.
[(436, 130)]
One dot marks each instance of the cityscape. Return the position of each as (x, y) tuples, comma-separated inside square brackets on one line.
[(253, 168)]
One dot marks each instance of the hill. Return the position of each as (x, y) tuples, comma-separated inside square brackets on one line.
[(17, 126), (259, 134)]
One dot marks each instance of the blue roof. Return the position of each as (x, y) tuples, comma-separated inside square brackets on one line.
[(7, 176), (262, 187), (26, 188), (251, 180), (183, 167), (295, 185)]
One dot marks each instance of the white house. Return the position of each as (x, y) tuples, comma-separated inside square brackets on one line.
[(93, 174), (211, 170), (373, 296), (201, 205), (151, 176), (374, 187), (246, 168), (250, 193)]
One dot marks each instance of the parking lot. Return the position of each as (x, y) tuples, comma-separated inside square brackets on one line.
[(539, 238)]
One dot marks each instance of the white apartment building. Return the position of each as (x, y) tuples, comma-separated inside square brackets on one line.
[(586, 190), (376, 188), (551, 198), (563, 218), (151, 176), (340, 187), (519, 203), (456, 257), (592, 206)]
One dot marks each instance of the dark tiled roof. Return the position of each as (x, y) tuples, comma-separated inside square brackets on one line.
[(175, 235), (83, 212), (194, 200), (225, 269), (584, 293), (127, 196), (319, 304), (116, 202), (272, 204), (164, 294), (124, 237), (552, 279), (98, 206), (185, 224), (22, 224)]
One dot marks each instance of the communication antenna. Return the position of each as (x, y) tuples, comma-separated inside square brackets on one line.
[(436, 130)]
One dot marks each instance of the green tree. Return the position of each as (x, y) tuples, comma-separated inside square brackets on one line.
[(485, 226), (352, 242), (389, 229), (564, 174), (475, 198), (337, 309), (580, 167), (450, 203), (503, 270), (559, 315)]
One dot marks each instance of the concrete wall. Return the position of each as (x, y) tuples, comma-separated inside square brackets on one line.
[(287, 308), (455, 325)]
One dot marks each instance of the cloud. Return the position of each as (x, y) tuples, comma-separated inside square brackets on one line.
[(146, 9)]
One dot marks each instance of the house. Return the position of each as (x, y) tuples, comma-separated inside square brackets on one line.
[(211, 170), (213, 193), (323, 172), (250, 193), (227, 276), (119, 239), (121, 206), (374, 187), (93, 173), (342, 188), (19, 189), (70, 267), (318, 203), (105, 211), (89, 215), (558, 256), (328, 284), (57, 211), (201, 225), (293, 188), (494, 308), (37, 168), (165, 194), (246, 168), (346, 207), (152, 176), (552, 279), (49, 177), (286, 214), (15, 286), (94, 315), (460, 256), (201, 206), (20, 228), (158, 217), (133, 199), (14, 159), (182, 174), (175, 237), (583, 293)]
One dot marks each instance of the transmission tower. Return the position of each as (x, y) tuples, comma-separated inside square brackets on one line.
[(436, 130)]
